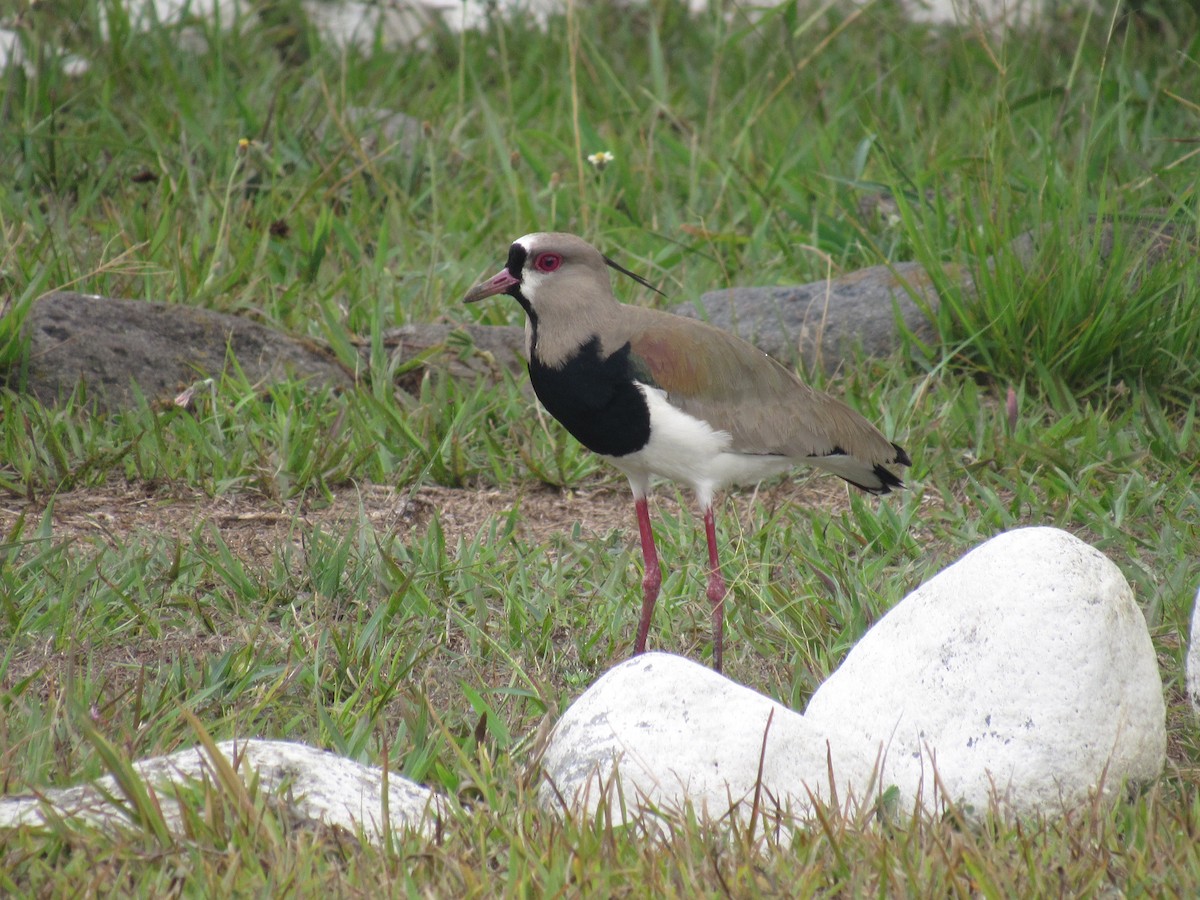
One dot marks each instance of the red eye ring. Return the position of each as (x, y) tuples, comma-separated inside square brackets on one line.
[(547, 262)]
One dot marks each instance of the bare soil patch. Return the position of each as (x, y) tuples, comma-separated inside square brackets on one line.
[(254, 526)]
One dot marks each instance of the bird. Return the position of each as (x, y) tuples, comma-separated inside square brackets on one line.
[(664, 396)]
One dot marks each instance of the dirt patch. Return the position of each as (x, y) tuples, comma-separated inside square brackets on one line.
[(253, 526)]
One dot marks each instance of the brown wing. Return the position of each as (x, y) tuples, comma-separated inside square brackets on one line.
[(716, 376)]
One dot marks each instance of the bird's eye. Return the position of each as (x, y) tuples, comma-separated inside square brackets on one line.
[(547, 262)]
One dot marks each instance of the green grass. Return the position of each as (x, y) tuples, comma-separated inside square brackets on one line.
[(741, 156)]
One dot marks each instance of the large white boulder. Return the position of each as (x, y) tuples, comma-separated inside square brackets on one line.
[(1022, 674), (316, 786), (1193, 658)]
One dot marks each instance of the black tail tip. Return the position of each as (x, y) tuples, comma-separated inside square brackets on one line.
[(888, 480)]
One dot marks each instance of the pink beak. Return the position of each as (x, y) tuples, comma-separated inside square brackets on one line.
[(497, 284)]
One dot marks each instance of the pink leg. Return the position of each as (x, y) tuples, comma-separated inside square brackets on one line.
[(716, 589), (653, 577)]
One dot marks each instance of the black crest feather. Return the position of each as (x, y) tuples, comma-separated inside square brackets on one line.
[(638, 278)]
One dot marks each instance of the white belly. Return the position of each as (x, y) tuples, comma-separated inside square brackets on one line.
[(686, 449)]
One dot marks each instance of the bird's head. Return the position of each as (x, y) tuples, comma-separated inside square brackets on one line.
[(553, 272)]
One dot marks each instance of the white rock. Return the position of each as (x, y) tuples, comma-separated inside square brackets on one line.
[(1024, 670), (395, 24), (994, 15), (679, 735), (1193, 658), (143, 15), (402, 23), (356, 24), (12, 53), (320, 786)]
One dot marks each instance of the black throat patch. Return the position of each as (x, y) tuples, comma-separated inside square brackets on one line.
[(595, 399), (516, 268)]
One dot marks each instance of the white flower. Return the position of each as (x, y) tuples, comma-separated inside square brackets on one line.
[(601, 159)]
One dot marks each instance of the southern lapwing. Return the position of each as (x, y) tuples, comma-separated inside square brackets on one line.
[(662, 395)]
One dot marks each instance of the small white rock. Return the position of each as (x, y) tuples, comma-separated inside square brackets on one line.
[(660, 733), (12, 52), (1024, 671), (320, 787)]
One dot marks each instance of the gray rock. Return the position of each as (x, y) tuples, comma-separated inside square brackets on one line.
[(820, 324), (386, 130), (461, 349), (110, 345), (1153, 238)]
